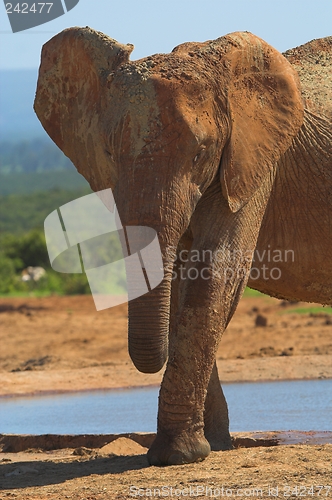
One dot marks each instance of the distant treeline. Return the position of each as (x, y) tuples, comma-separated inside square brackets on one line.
[(21, 213), (37, 155), (31, 182)]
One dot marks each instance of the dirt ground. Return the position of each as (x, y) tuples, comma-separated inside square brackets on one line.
[(63, 344)]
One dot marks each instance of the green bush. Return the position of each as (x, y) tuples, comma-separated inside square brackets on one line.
[(17, 252), (26, 250), (66, 284), (7, 274)]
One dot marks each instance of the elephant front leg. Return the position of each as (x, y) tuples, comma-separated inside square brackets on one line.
[(191, 422), (216, 421), (193, 345), (180, 435)]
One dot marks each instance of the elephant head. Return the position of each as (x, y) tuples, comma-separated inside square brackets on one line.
[(159, 131)]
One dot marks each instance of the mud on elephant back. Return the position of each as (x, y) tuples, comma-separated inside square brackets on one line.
[(213, 146)]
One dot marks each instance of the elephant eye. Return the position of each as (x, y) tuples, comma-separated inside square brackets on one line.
[(109, 155), (199, 155)]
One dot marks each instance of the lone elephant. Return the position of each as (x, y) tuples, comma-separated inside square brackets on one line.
[(217, 148)]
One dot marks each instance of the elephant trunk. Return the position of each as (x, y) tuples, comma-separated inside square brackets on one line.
[(148, 328), (149, 314)]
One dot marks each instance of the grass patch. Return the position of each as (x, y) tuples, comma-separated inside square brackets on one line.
[(36, 293), (250, 292), (309, 310)]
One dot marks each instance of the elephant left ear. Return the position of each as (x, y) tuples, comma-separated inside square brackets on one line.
[(72, 96), (265, 113)]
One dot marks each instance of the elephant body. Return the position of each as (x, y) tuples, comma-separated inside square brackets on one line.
[(307, 271), (215, 147), (303, 262)]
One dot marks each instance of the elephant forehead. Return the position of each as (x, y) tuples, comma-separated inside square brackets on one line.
[(136, 116), (155, 113), (151, 110)]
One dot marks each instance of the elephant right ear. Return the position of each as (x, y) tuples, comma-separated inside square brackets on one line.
[(70, 94), (265, 112)]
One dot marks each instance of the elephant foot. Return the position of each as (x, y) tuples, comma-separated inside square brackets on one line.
[(219, 441), (182, 449)]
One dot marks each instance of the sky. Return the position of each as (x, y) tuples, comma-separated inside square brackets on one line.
[(158, 26)]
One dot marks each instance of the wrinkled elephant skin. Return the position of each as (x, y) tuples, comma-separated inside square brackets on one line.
[(211, 146)]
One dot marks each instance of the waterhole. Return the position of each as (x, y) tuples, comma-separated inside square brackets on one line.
[(263, 406)]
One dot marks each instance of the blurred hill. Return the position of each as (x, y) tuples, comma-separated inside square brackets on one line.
[(35, 155), (35, 182), (20, 213), (17, 117)]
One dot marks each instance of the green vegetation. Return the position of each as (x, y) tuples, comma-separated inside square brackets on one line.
[(20, 213), (28, 183), (250, 292), (29, 249), (309, 310), (35, 179), (19, 252), (31, 293), (22, 244)]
